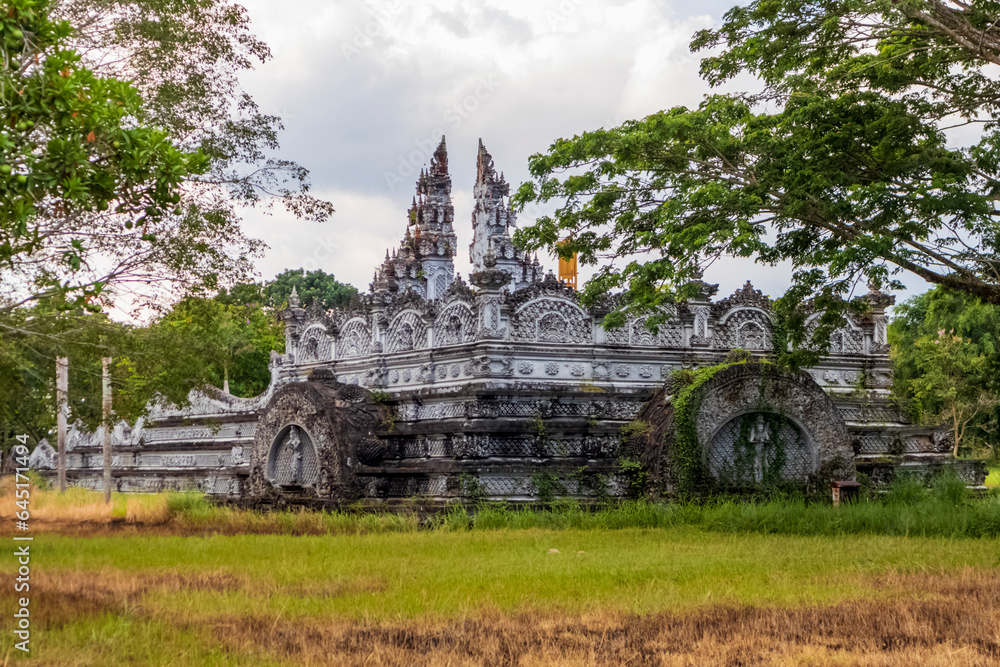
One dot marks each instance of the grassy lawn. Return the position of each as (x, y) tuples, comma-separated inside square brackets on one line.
[(145, 581), (115, 600)]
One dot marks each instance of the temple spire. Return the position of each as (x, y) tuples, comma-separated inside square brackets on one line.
[(424, 260), (439, 163), (485, 173)]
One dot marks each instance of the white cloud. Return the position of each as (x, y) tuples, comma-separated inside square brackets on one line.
[(366, 87)]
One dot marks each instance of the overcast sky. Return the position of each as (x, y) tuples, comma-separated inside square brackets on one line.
[(365, 90)]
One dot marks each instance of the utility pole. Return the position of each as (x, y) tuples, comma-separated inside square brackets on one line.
[(106, 416), (62, 407)]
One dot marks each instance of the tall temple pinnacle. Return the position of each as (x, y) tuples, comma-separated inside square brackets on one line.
[(492, 219), (439, 163), (424, 263)]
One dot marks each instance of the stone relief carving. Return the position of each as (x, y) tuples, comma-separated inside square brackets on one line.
[(552, 368), (617, 337), (455, 325), (407, 331), (843, 340), (552, 321), (426, 373), (491, 326), (745, 297), (744, 328), (355, 340), (293, 459), (670, 333), (487, 366), (314, 345), (43, 457), (880, 342), (700, 335)]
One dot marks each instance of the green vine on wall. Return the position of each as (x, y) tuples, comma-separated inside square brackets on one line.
[(471, 488), (693, 476), (547, 486), (772, 456)]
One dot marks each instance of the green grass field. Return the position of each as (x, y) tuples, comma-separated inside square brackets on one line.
[(175, 580), (149, 600)]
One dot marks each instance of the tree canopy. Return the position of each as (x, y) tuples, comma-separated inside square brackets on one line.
[(127, 151), (845, 163), (224, 341), (133, 218), (946, 361), (72, 152), (196, 342), (311, 286)]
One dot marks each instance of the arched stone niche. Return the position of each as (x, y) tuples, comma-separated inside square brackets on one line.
[(757, 413), (292, 459), (755, 425), (307, 437), (760, 447)]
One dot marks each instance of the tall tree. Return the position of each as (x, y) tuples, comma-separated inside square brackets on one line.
[(946, 361), (28, 356), (196, 342), (224, 345), (184, 58), (843, 164), (311, 286), (74, 148)]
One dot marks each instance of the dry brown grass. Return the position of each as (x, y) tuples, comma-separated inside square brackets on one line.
[(64, 596), (926, 619), (81, 509), (957, 625)]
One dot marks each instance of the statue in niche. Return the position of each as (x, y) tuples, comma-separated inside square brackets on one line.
[(294, 442), (760, 438)]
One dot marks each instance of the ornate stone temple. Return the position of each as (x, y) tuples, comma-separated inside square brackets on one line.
[(505, 386)]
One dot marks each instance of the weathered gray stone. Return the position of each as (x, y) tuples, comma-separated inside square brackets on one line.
[(322, 422), (754, 388)]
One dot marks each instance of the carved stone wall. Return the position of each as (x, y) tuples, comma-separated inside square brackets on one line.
[(745, 328), (760, 388), (315, 345), (754, 424), (321, 419), (549, 320), (468, 372), (456, 324), (407, 331), (355, 339)]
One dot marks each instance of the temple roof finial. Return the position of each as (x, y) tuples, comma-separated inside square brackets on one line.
[(485, 172), (439, 163)]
